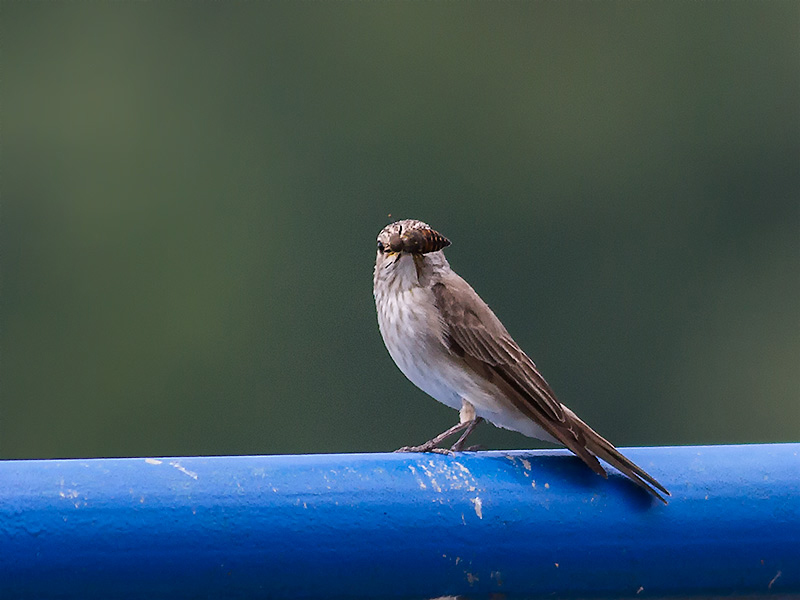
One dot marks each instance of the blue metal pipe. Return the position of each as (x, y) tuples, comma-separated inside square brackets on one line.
[(519, 524)]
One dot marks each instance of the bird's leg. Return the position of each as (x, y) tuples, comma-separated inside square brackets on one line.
[(459, 445), (467, 420), (431, 445), (466, 415)]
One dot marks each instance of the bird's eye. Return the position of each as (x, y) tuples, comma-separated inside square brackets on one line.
[(380, 246)]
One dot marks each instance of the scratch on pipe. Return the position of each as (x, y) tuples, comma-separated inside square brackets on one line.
[(183, 470), (153, 461), (774, 579)]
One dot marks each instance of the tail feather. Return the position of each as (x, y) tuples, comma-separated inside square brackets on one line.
[(602, 448), (597, 446)]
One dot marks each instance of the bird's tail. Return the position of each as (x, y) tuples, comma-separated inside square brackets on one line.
[(602, 448)]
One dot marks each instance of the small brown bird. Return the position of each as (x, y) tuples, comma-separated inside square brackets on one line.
[(450, 344)]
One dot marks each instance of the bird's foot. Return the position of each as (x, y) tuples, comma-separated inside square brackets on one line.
[(475, 448), (470, 427), (433, 445), (425, 448)]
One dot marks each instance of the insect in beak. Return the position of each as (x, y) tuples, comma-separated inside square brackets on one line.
[(422, 241)]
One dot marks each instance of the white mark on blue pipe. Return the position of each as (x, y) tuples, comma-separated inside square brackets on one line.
[(72, 495), (469, 480), (421, 483), (431, 478), (183, 470), (476, 501), (152, 461), (774, 579)]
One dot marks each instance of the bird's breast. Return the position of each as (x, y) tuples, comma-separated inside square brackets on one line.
[(408, 323), (412, 332)]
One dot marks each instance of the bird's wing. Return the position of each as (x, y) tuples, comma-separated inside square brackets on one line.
[(473, 332)]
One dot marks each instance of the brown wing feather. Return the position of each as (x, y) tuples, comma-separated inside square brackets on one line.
[(474, 332), (483, 336)]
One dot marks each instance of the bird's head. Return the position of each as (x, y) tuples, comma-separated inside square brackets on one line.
[(408, 237)]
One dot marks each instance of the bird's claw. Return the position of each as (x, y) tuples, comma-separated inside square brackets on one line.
[(425, 448), (444, 451), (460, 448)]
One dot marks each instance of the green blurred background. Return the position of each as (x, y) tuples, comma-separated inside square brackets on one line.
[(191, 194)]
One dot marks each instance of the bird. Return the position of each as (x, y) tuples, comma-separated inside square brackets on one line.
[(447, 341)]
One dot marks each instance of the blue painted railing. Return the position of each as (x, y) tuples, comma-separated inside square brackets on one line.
[(520, 524)]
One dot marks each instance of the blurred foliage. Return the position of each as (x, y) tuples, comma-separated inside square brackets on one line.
[(191, 193)]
